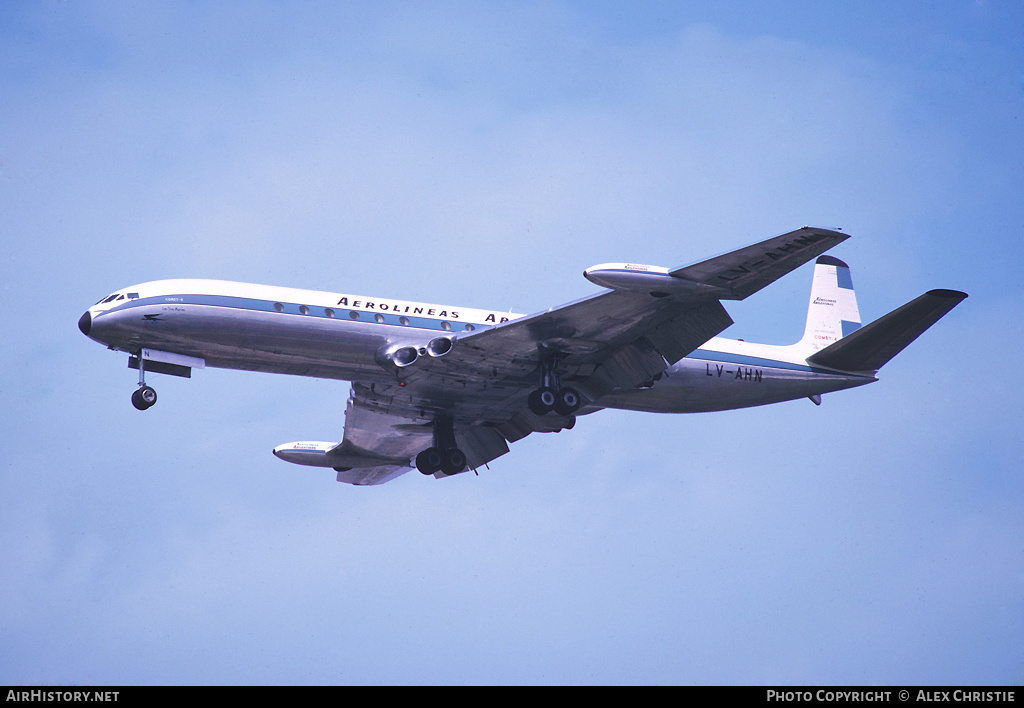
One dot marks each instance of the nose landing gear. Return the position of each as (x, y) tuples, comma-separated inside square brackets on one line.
[(144, 396)]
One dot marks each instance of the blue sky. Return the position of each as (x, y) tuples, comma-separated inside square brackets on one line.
[(484, 154)]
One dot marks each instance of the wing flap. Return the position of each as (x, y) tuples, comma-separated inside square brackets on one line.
[(480, 443), (383, 436), (688, 329), (661, 346), (630, 365), (377, 446), (367, 476)]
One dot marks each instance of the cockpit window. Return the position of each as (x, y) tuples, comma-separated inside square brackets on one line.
[(117, 296)]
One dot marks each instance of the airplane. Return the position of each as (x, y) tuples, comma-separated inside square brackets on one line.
[(445, 389)]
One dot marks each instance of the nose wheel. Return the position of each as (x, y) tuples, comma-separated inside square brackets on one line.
[(144, 397)]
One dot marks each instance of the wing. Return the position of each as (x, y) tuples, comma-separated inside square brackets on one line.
[(376, 446), (620, 338), (743, 272), (384, 433), (612, 340)]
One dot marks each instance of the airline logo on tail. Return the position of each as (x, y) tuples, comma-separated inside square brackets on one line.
[(832, 313)]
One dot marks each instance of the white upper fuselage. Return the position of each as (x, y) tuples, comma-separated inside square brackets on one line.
[(274, 329), (323, 304)]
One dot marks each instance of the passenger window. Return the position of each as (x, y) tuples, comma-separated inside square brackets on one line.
[(469, 328), (354, 315), (279, 307), (303, 309), (403, 321), (379, 317), (329, 312)]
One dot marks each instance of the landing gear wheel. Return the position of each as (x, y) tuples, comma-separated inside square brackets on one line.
[(144, 397), (429, 461), (432, 460), (542, 401), (443, 456), (567, 402), (453, 462)]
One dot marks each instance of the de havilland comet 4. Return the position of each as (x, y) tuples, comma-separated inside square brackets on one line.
[(444, 389)]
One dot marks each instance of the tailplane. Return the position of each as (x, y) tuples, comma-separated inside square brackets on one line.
[(873, 345)]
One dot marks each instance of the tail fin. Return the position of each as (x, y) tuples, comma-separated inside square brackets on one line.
[(872, 346), (832, 313)]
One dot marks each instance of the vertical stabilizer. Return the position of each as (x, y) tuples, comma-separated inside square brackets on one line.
[(832, 313)]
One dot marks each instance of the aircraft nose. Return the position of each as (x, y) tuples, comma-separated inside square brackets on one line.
[(85, 323)]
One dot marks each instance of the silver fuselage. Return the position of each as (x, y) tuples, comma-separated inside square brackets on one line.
[(340, 336)]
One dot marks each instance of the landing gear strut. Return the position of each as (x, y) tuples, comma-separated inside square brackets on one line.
[(444, 456), (145, 396), (552, 396)]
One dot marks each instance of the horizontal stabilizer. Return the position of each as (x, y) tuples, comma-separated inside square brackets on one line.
[(873, 345)]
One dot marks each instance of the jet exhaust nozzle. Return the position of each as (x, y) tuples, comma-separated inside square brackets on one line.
[(439, 346), (401, 356)]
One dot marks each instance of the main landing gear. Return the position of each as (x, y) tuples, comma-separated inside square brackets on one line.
[(444, 456), (144, 396), (552, 396)]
